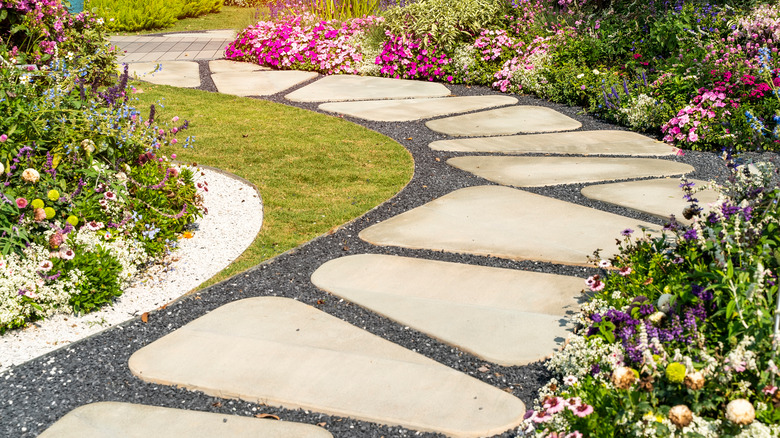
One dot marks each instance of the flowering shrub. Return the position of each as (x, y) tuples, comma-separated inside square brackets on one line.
[(84, 199), (303, 42), (678, 339)]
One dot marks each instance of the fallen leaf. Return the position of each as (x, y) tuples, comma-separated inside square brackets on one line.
[(508, 389), (438, 159), (408, 138), (217, 404), (320, 302), (145, 317), (322, 424), (345, 248), (275, 417), (483, 369)]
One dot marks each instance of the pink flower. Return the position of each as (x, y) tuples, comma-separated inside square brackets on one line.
[(3, 138), (624, 271), (553, 404), (575, 434), (573, 403), (67, 254), (769, 390), (111, 196), (583, 410), (21, 202), (45, 266), (538, 417)]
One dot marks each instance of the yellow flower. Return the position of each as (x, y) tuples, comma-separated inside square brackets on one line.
[(36, 203), (53, 195), (675, 372), (187, 235), (49, 212), (73, 220)]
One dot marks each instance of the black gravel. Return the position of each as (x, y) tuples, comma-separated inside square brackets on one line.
[(37, 393)]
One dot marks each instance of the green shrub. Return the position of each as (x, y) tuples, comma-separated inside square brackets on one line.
[(149, 14)]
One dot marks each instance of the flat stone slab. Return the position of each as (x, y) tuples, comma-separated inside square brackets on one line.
[(225, 66), (547, 171), (281, 352), (112, 419), (561, 143), (659, 197), (505, 121), (504, 222), (505, 316), (207, 35), (259, 83), (174, 73), (415, 109), (347, 87)]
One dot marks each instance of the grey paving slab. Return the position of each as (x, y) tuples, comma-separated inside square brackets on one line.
[(130, 57), (548, 171), (659, 197), (259, 83), (207, 54), (347, 87), (281, 352), (505, 222), (415, 109), (151, 56), (112, 420), (505, 121), (505, 316), (608, 142), (225, 66), (149, 46), (209, 35), (175, 73)]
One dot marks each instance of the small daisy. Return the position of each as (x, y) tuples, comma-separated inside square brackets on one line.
[(583, 410), (573, 403), (553, 405), (624, 271), (538, 417), (103, 203), (605, 264), (575, 434), (594, 283), (67, 254), (111, 196), (570, 380), (45, 266)]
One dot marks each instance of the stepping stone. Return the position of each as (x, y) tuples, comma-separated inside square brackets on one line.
[(547, 171), (415, 109), (112, 419), (505, 316), (225, 66), (259, 83), (347, 87), (281, 352), (659, 197), (504, 121), (504, 222), (174, 73), (563, 143)]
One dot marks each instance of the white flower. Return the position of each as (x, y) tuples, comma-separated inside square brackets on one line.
[(31, 175), (2, 168), (595, 72), (656, 317), (45, 266), (67, 254), (605, 264), (665, 303), (570, 380), (580, 76), (740, 411), (681, 416)]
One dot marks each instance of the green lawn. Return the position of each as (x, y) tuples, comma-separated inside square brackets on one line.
[(314, 172)]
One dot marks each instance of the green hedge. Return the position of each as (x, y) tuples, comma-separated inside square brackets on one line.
[(131, 15)]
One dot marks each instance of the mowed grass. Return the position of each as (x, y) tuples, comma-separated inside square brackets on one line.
[(229, 17), (314, 172)]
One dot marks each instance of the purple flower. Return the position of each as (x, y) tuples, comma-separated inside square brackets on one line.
[(691, 234), (627, 232)]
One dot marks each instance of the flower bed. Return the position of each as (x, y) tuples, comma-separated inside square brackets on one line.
[(700, 76), (85, 201)]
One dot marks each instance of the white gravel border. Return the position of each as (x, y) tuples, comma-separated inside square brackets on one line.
[(235, 215)]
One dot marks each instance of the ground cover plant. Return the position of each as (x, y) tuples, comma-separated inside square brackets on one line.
[(86, 198), (701, 76)]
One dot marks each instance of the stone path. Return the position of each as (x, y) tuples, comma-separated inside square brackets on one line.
[(280, 352)]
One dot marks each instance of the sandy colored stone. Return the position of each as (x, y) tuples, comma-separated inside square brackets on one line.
[(415, 109), (174, 73), (225, 66), (505, 316), (505, 222), (347, 87), (548, 171), (659, 197), (504, 121), (281, 352), (126, 420), (259, 83), (562, 143)]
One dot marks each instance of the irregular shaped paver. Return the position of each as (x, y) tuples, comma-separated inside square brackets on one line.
[(225, 66), (505, 316), (504, 222), (659, 197), (562, 143), (347, 87), (415, 109), (504, 121), (174, 73), (259, 83), (282, 352), (546, 171), (112, 419)]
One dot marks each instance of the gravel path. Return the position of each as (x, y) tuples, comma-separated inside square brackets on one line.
[(37, 393)]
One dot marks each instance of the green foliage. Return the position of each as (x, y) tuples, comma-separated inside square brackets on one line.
[(149, 14), (443, 22), (100, 283)]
